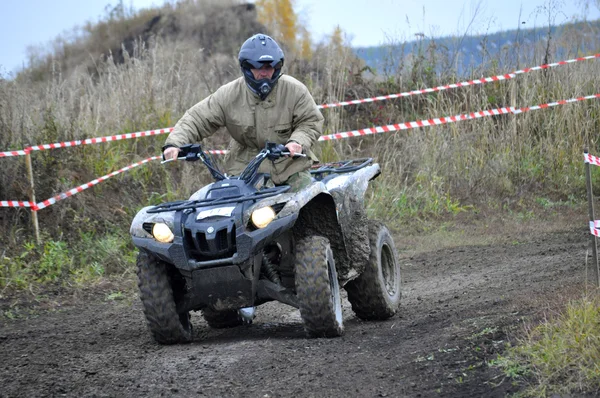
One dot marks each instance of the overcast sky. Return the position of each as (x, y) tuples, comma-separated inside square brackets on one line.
[(366, 22)]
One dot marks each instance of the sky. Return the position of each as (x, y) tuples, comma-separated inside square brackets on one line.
[(365, 22)]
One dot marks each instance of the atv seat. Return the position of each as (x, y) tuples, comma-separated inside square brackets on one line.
[(328, 171)]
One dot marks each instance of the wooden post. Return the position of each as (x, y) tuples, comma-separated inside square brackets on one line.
[(513, 104), (588, 179), (34, 218)]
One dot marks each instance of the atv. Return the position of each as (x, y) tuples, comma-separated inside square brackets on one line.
[(240, 242)]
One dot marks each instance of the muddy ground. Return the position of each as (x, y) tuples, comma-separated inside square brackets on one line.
[(461, 305)]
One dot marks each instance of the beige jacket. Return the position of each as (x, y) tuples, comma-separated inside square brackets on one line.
[(289, 113)]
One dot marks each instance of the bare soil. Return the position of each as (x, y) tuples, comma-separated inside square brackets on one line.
[(461, 305)]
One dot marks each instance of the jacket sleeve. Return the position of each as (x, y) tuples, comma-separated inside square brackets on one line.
[(199, 122), (307, 121)]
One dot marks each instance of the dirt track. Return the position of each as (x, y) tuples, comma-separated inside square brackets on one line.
[(459, 307)]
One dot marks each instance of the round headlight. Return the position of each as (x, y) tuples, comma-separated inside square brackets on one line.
[(162, 233), (262, 217)]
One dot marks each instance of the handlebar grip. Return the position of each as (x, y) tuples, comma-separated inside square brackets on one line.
[(296, 155)]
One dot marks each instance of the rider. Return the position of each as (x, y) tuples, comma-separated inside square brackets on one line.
[(261, 106)]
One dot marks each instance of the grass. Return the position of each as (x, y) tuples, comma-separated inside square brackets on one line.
[(75, 263), (561, 355)]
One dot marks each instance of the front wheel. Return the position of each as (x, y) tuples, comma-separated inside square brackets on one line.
[(166, 325), (375, 294), (317, 288)]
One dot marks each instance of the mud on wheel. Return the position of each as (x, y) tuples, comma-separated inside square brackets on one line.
[(375, 294), (156, 293), (317, 288)]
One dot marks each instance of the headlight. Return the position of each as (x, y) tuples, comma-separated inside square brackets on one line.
[(162, 233), (262, 217)]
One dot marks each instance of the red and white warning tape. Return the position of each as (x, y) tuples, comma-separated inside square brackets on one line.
[(99, 140), (94, 141), (594, 227), (445, 120), (15, 203), (14, 153), (88, 141), (415, 124), (591, 159), (90, 184), (551, 104), (484, 80)]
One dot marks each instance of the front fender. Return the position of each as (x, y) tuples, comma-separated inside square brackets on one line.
[(143, 216), (293, 201)]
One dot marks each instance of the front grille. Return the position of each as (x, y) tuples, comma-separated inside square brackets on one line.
[(202, 246), (202, 242), (221, 239)]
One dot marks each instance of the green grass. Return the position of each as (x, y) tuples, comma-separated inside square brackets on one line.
[(79, 262), (559, 356), (400, 204)]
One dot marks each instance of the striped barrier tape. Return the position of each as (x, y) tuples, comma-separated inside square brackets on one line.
[(90, 184), (15, 203), (556, 103), (88, 141), (14, 153), (594, 225), (445, 120), (484, 80), (336, 136), (332, 105), (591, 159), (96, 140), (415, 124), (99, 140), (594, 228)]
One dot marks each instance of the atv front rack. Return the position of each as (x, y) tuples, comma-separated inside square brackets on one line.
[(320, 171), (193, 204)]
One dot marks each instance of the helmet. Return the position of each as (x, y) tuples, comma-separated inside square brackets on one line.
[(257, 51)]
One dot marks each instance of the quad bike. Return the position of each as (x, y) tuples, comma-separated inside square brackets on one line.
[(238, 243)]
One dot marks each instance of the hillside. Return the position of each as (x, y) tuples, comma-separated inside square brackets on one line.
[(207, 27), (499, 50)]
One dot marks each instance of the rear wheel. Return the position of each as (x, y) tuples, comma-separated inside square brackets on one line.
[(228, 318), (317, 288), (166, 325), (376, 293)]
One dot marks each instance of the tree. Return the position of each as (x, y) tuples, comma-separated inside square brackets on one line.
[(280, 19)]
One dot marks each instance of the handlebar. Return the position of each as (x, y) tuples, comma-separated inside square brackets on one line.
[(272, 151)]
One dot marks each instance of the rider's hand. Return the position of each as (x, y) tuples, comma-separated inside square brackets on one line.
[(171, 153), (293, 147)]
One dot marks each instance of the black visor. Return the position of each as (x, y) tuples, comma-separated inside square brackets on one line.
[(249, 64)]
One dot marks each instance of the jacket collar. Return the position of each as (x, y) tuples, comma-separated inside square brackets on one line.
[(268, 102)]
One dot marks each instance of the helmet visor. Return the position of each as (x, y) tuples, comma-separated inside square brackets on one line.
[(250, 64)]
